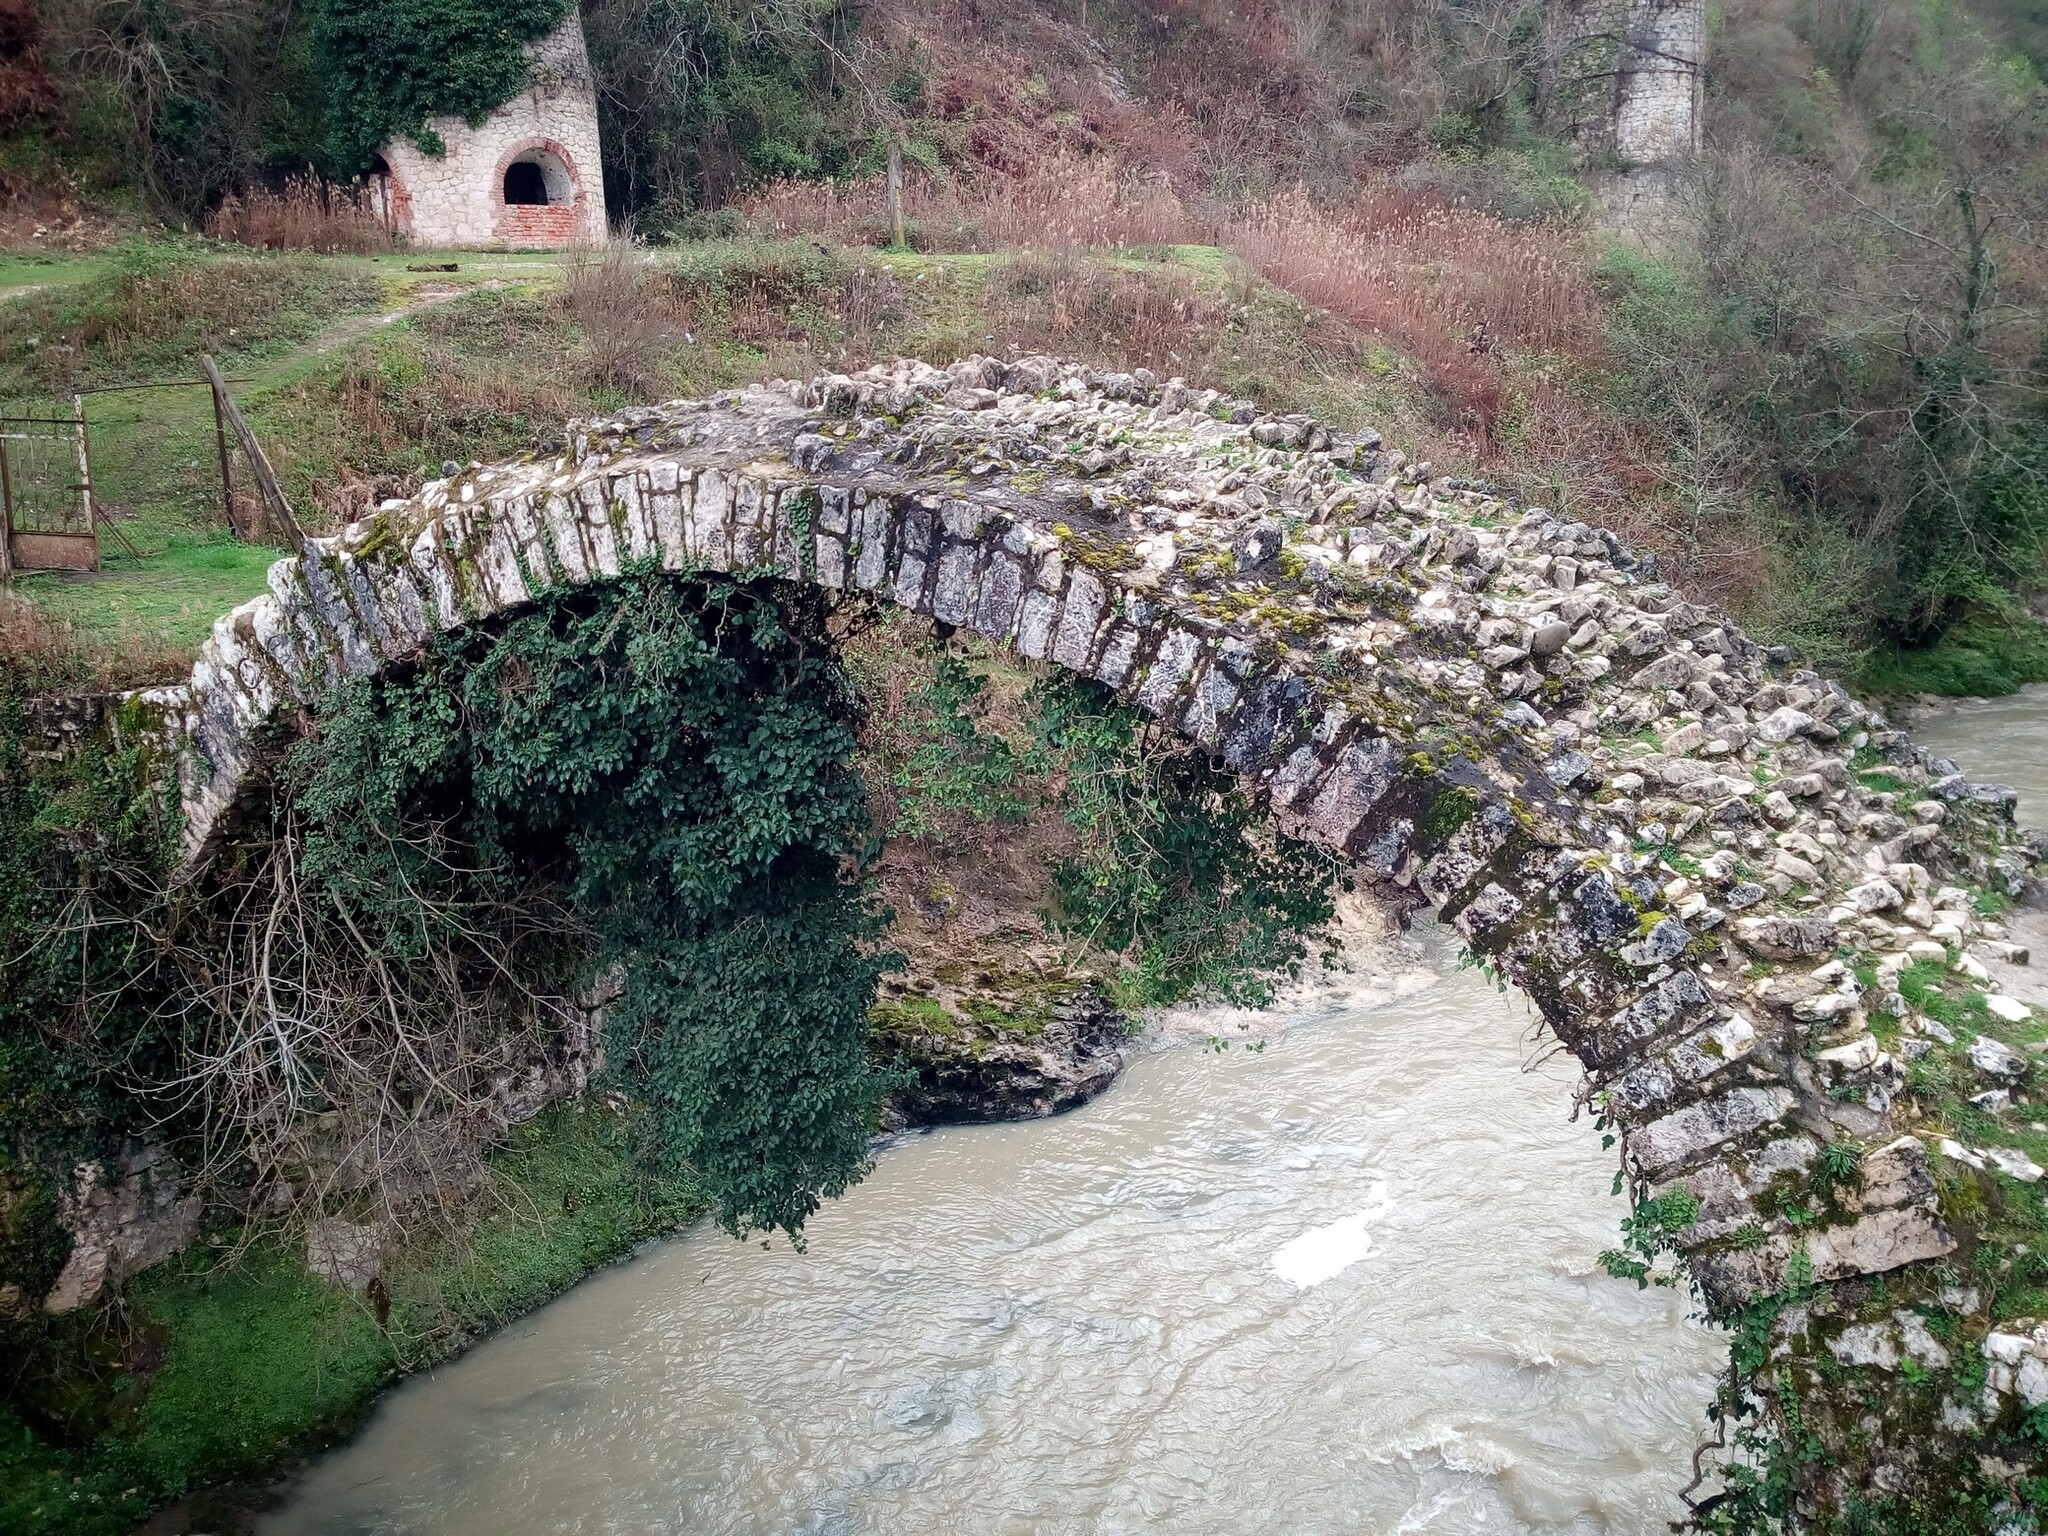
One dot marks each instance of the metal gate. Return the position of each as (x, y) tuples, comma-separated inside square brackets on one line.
[(46, 511)]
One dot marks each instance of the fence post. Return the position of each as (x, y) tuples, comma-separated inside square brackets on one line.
[(6, 510), (227, 483), (92, 522), (896, 192), (266, 479)]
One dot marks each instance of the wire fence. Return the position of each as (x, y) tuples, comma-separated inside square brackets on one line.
[(46, 512)]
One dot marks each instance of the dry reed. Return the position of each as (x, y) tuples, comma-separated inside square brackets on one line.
[(308, 214), (1457, 289)]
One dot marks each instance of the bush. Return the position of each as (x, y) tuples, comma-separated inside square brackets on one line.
[(1169, 867), (676, 757), (624, 326), (699, 97)]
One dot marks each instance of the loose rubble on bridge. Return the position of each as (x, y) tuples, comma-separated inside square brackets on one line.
[(1709, 870)]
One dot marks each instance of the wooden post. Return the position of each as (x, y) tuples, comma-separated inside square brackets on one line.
[(227, 482), (266, 479), (6, 510), (896, 192), (92, 523)]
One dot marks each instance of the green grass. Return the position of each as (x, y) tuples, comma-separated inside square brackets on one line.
[(258, 1363), (152, 307), (17, 272), (339, 398), (172, 598), (1980, 658), (143, 314)]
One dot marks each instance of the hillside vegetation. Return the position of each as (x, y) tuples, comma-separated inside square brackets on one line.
[(1821, 398), (1819, 394)]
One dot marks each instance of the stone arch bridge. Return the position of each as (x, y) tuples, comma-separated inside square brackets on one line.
[(1640, 816)]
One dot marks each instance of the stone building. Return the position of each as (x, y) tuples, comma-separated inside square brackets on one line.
[(528, 177), (1627, 85)]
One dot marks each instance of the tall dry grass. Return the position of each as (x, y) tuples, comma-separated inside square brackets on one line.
[(1059, 203), (608, 293), (1502, 319), (308, 214), (1460, 291), (41, 654), (1465, 294)]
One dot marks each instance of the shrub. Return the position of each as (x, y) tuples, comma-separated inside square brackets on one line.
[(676, 757), (624, 327)]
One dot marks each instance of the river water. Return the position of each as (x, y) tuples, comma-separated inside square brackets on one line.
[(1346, 1284), (1999, 741)]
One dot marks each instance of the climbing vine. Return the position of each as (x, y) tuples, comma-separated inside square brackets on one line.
[(1170, 866), (84, 851), (676, 758), (389, 65)]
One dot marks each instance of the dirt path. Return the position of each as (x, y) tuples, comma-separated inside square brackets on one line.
[(352, 328)]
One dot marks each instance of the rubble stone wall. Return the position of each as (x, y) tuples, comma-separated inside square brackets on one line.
[(1627, 87), (1660, 830)]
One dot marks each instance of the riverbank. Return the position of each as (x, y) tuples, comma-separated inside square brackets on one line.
[(196, 1386), (191, 1389), (1345, 1281)]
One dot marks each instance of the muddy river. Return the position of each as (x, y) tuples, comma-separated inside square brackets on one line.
[(1348, 1283)]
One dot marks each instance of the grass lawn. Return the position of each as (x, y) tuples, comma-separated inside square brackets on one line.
[(155, 460), (361, 376)]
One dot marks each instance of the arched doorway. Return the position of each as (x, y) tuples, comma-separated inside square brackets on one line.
[(384, 196), (539, 195), (537, 178)]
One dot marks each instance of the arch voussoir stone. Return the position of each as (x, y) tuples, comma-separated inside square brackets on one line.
[(1486, 708)]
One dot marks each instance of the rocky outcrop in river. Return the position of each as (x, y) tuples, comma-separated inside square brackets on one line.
[(968, 1071)]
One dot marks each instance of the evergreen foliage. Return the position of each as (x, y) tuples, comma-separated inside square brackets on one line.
[(679, 757), (389, 65), (698, 97), (1178, 869), (83, 853)]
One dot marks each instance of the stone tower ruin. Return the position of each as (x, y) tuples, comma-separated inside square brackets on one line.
[(1627, 84), (528, 177)]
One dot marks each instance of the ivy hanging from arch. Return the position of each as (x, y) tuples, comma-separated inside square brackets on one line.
[(677, 757)]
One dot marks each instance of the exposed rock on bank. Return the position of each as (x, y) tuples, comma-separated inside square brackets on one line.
[(969, 1070)]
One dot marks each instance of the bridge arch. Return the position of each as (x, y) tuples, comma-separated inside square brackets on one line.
[(1407, 669)]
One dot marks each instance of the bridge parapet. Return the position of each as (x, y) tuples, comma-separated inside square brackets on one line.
[(1647, 821)]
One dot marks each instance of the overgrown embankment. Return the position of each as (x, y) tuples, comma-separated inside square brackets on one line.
[(202, 1380), (485, 362)]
